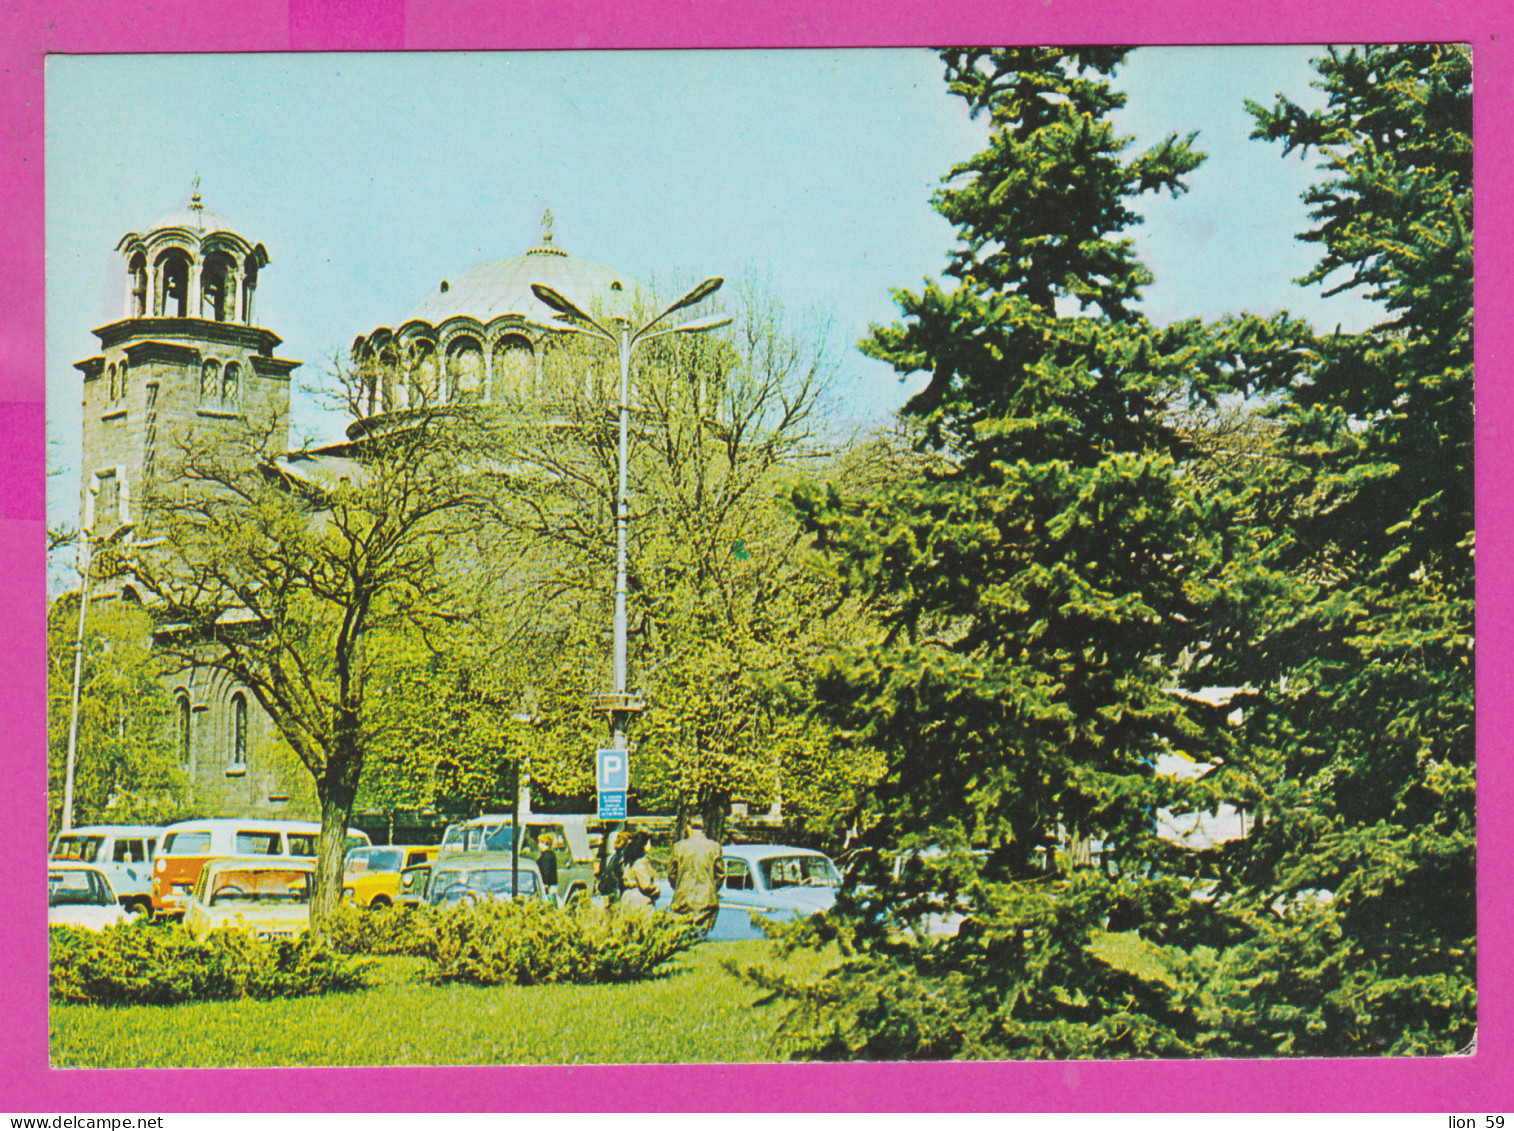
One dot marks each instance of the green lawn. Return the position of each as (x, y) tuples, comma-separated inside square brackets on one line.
[(694, 1011)]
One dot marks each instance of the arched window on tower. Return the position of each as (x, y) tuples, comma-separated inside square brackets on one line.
[(215, 303), (249, 285), (110, 387), (138, 268), (182, 735), (173, 284), (231, 384), (210, 380), (239, 731), (121, 381)]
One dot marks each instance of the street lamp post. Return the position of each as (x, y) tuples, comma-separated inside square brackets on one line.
[(626, 341), (85, 566)]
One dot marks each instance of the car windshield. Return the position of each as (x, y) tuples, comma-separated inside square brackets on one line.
[(260, 886), (70, 887), (798, 871), (85, 848), (186, 843), (386, 859), (454, 883)]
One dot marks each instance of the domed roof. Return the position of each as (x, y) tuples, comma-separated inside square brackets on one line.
[(195, 218), (504, 288)]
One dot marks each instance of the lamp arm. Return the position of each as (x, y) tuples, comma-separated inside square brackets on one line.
[(699, 327)]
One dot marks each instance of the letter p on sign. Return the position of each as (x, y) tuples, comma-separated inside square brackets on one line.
[(614, 770)]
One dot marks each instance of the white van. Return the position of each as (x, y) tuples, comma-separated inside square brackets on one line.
[(186, 847), (123, 852)]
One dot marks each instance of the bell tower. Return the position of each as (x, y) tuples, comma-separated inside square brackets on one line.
[(186, 356)]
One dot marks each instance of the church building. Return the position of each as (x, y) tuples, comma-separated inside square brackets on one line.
[(188, 356)]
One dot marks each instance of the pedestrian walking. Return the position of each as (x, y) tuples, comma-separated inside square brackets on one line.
[(638, 877), (696, 873), (546, 864)]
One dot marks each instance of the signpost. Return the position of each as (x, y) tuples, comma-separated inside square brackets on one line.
[(614, 778)]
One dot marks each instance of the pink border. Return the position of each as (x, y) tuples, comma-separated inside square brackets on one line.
[(34, 28)]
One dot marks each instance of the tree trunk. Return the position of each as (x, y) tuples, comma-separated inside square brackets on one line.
[(337, 790)]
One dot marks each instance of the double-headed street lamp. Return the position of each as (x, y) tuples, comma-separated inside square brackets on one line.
[(626, 342)]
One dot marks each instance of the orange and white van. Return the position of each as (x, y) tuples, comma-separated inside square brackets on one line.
[(186, 846)]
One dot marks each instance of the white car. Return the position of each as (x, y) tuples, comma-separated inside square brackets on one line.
[(268, 897), (80, 895)]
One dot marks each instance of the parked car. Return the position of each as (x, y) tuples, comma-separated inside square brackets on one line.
[(470, 877), (270, 897), (187, 846), (771, 881), (374, 876), (413, 881), (80, 895), (123, 852), (570, 831)]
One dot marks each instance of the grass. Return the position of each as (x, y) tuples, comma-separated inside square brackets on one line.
[(693, 1012)]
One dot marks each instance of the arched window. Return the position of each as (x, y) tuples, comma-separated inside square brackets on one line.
[(421, 374), (183, 728), (173, 285), (231, 383), (215, 303), (465, 370), (138, 285), (249, 284), (514, 370), (210, 380), (121, 381), (239, 730), (110, 376)]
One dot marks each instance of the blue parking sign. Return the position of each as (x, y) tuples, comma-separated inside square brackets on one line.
[(614, 770), (612, 805)]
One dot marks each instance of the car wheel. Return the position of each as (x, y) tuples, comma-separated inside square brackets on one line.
[(378, 902)]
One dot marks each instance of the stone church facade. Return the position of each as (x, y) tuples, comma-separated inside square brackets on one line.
[(187, 356)]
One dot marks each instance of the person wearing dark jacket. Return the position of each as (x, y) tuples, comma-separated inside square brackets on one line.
[(546, 864)]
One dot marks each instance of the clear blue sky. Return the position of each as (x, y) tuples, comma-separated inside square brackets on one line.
[(372, 177)]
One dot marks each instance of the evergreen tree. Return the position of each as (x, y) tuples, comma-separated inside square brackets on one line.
[(1357, 747), (1040, 586)]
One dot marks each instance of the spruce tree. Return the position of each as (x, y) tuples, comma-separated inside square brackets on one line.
[(1356, 890), (1040, 590)]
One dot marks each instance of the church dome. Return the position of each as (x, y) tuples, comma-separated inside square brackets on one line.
[(502, 289), (484, 337), (194, 219)]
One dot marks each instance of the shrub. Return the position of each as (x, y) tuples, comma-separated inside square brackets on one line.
[(381, 931), (158, 963), (530, 943)]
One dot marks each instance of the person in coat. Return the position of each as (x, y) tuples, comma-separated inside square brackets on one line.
[(696, 873), (546, 864), (638, 882)]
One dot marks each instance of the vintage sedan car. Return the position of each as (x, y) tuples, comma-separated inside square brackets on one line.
[(271, 898), (770, 881), (471, 877), (374, 877), (80, 895)]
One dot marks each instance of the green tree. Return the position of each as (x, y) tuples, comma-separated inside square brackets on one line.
[(1357, 750), (294, 575), (126, 766), (1041, 586), (722, 602)]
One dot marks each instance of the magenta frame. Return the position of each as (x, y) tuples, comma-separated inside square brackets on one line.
[(34, 28)]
